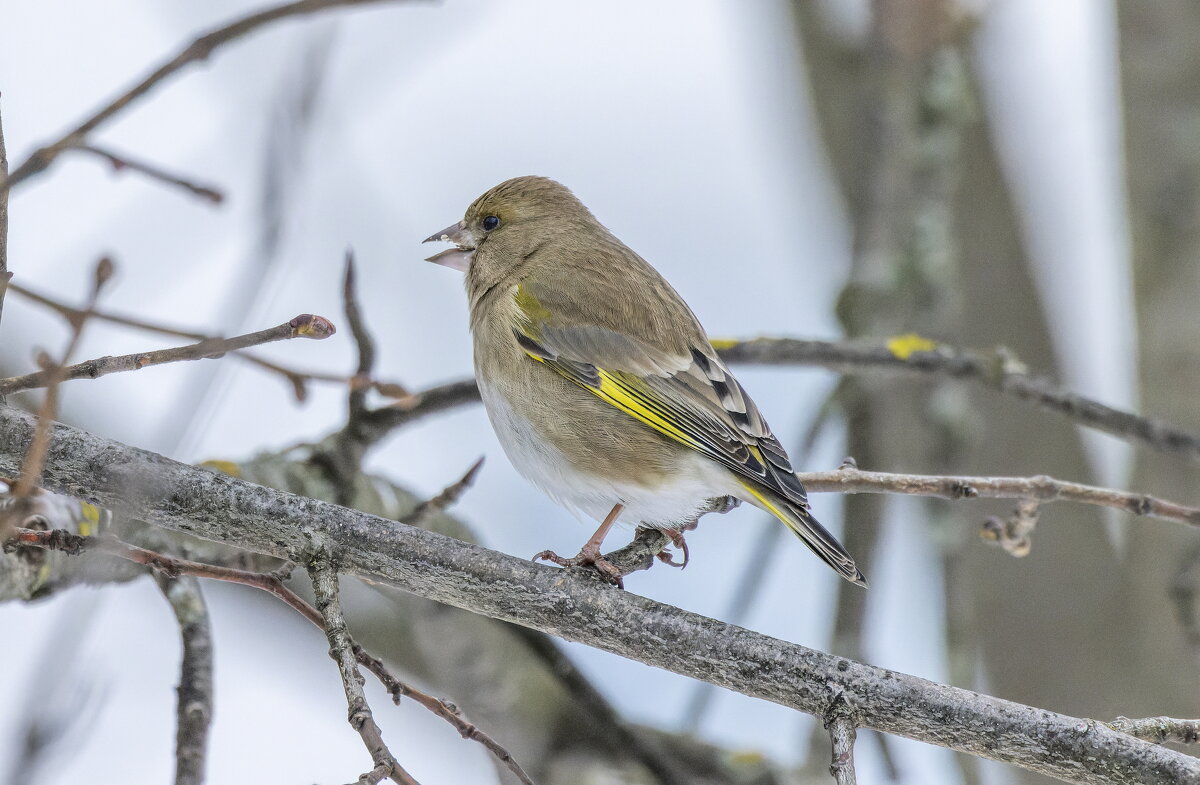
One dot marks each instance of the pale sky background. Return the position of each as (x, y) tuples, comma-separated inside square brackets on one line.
[(683, 127)]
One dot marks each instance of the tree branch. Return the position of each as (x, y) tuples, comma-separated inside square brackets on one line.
[(341, 650), (215, 507), (998, 372), (303, 326), (1041, 488), (1159, 730), (194, 708), (199, 49), (298, 379), (121, 162), (839, 721), (171, 567)]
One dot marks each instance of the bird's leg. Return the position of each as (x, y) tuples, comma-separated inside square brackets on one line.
[(589, 555)]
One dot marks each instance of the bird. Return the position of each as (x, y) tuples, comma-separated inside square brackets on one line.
[(601, 384)]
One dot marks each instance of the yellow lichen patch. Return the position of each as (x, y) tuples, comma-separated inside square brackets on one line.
[(904, 346), (224, 467)]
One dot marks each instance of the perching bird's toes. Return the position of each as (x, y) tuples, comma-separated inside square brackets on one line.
[(587, 558), (677, 540)]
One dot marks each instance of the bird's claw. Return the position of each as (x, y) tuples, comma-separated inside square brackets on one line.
[(587, 558), (677, 540)]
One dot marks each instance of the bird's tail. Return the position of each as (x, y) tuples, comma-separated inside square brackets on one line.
[(800, 520)]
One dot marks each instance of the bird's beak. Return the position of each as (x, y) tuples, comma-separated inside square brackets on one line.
[(458, 258)]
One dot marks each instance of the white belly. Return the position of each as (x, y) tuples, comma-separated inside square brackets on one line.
[(665, 506)]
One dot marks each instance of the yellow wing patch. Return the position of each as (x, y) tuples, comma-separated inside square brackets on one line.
[(621, 396)]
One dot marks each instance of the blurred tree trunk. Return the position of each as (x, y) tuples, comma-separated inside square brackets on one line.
[(1057, 628), (1160, 80)]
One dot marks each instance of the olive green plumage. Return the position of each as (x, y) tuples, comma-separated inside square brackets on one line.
[(602, 385)]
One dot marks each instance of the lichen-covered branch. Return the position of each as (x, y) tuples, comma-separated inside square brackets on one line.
[(224, 509)]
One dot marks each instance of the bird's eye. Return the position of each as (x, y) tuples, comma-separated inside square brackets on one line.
[(490, 223)]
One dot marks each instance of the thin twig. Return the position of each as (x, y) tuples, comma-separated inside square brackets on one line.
[(174, 567), (341, 650), (447, 498), (199, 49), (362, 339), (194, 707), (303, 326), (122, 162), (52, 374), (1040, 488), (1159, 730), (298, 379)]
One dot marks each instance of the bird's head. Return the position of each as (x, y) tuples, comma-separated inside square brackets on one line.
[(506, 225)]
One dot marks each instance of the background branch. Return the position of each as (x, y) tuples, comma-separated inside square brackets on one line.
[(215, 507), (169, 568), (999, 372), (120, 162), (1042, 488), (298, 379), (341, 650), (303, 326), (194, 707), (199, 49)]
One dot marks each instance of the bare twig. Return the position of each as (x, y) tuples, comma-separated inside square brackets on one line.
[(303, 326), (199, 49), (1040, 488), (341, 650), (362, 339), (839, 721), (174, 567), (298, 379), (1159, 730), (194, 707), (122, 162), (449, 495), (183, 498), (52, 374)]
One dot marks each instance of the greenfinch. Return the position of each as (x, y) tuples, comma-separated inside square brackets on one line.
[(602, 386)]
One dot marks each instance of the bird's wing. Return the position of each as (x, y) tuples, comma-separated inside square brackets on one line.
[(686, 392)]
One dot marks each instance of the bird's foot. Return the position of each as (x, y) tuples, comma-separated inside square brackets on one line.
[(588, 557), (677, 540)]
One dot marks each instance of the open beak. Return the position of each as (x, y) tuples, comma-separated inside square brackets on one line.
[(458, 258)]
